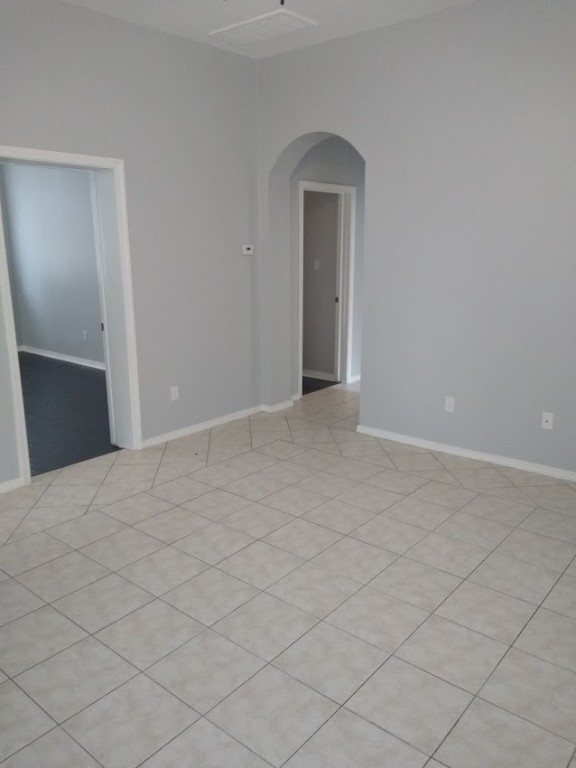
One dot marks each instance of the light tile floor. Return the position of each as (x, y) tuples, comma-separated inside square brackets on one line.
[(283, 591)]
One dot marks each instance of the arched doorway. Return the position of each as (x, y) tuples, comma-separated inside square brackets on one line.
[(323, 158)]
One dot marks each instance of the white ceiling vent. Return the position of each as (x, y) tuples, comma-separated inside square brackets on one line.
[(264, 27)]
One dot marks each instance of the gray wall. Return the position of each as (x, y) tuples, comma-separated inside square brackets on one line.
[(181, 115), (335, 161), (52, 259), (320, 275), (466, 122)]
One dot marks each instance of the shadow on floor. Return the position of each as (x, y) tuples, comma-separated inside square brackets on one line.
[(314, 385), (66, 408)]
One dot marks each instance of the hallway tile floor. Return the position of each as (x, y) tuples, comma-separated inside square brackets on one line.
[(283, 591)]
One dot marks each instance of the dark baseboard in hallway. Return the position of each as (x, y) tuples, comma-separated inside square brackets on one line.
[(66, 408), (314, 385)]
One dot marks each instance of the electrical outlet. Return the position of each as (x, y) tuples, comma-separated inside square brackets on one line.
[(547, 420), (450, 405), (84, 335), (175, 393)]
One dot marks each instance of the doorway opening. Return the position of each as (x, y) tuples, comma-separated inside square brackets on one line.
[(67, 308), (327, 223)]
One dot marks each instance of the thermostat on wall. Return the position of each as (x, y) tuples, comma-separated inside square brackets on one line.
[(247, 250)]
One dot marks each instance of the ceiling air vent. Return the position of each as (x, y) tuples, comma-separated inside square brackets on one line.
[(262, 28)]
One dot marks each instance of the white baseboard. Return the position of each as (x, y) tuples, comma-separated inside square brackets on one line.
[(320, 375), (353, 379), (13, 485), (63, 358), (504, 461), (296, 397), (277, 407), (151, 441)]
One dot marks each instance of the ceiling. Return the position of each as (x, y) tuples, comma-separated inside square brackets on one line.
[(195, 19)]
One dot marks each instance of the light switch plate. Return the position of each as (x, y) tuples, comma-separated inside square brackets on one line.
[(247, 250)]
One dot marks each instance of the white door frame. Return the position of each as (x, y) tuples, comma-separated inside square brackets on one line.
[(345, 276), (129, 435)]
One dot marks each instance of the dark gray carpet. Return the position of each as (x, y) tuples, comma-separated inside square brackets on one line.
[(66, 410), (313, 385)]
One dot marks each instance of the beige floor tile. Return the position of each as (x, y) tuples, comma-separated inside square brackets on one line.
[(535, 690), (417, 707), (75, 678), (562, 599), (122, 548), (205, 670), (415, 583), (99, 604), (30, 552), (420, 513), (286, 472), (255, 487), (174, 470), (137, 508), (84, 530), (456, 654), (332, 662), (16, 601), (218, 475), (163, 570), (488, 737), (21, 721), (145, 456), (273, 714), (302, 538), (216, 505), (540, 550), (499, 616), (207, 746), (397, 482), (555, 497), (23, 498), (518, 578), (327, 485), (149, 633), (412, 462), (110, 494), (481, 478), (214, 543), (257, 520), (314, 590), (281, 449), (504, 511), (131, 474), (552, 524), (347, 740), (451, 555), (378, 619), (445, 495), (338, 516), (33, 638), (474, 530), (260, 564), (359, 471), (391, 535), (551, 637), (131, 723), (295, 501), (265, 626), (61, 576), (173, 525), (43, 518), (54, 750), (181, 490), (210, 596), (369, 498), (316, 459), (522, 479), (69, 495), (252, 462), (354, 559)]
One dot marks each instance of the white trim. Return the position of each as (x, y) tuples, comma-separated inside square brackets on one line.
[(13, 485), (353, 379), (25, 474), (295, 398), (277, 406), (319, 375), (504, 461), (345, 277), (63, 357), (94, 163), (178, 433)]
